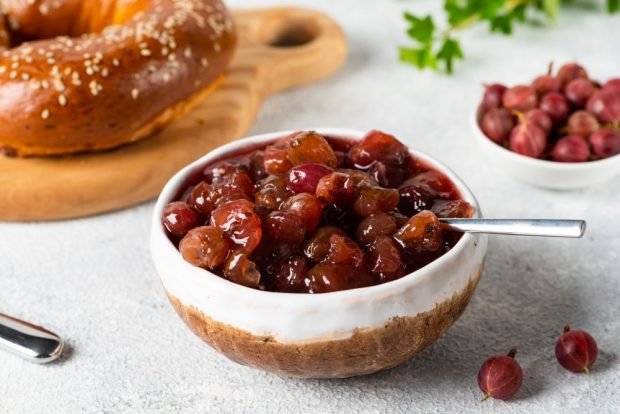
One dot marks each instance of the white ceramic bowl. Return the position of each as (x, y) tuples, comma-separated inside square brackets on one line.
[(541, 173), (339, 334)]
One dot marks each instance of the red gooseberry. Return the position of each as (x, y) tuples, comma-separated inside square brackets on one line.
[(578, 91), (493, 95), (571, 71), (497, 124), (556, 105), (179, 218), (520, 98), (571, 148), (582, 123), (500, 376), (528, 139), (605, 104), (605, 142), (576, 351)]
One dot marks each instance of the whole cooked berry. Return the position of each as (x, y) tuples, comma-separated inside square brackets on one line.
[(304, 178), (205, 247), (275, 158), (257, 166), (378, 146), (500, 376), (240, 269), (576, 351), (238, 220), (387, 175), (528, 139), (216, 173), (291, 274), (605, 142), (422, 233), (384, 257), (497, 124), (285, 226), (203, 198), (520, 98), (327, 277), (336, 188), (571, 148), (435, 184), (307, 207), (370, 200), (179, 218), (271, 193), (343, 250), (318, 244), (310, 147), (375, 225), (452, 209)]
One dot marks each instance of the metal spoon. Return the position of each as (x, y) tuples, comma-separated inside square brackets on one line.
[(29, 341), (520, 227)]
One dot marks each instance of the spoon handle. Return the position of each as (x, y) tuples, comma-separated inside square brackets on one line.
[(520, 227), (29, 341)]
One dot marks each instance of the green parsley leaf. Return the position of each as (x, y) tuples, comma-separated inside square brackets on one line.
[(450, 51)]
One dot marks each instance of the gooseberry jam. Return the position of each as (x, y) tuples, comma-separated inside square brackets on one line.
[(311, 214)]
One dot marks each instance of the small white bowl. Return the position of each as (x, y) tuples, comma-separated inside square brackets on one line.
[(339, 334), (541, 173)]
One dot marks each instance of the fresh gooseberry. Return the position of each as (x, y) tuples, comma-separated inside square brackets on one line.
[(205, 247), (378, 146), (605, 142), (605, 104), (571, 148), (571, 71), (310, 147), (576, 351), (500, 376), (497, 124), (578, 91), (239, 221), (493, 95), (520, 98), (304, 178), (179, 218), (556, 105), (540, 118), (582, 123), (528, 139), (612, 85), (546, 83)]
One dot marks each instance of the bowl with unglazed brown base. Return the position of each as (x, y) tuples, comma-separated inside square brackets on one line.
[(327, 335)]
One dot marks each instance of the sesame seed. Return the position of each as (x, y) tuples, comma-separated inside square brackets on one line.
[(45, 114), (62, 100), (135, 93)]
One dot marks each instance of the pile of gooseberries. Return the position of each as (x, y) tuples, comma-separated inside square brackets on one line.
[(566, 117)]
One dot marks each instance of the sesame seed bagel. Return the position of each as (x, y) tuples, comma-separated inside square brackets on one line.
[(92, 75)]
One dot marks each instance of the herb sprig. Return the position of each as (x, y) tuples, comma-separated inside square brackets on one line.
[(438, 49)]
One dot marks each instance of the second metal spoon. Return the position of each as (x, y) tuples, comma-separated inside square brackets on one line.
[(520, 227)]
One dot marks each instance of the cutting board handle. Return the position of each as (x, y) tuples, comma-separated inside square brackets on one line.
[(289, 46)]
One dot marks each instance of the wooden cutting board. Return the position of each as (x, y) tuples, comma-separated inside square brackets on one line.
[(278, 49)]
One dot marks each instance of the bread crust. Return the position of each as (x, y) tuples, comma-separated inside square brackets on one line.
[(128, 69)]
